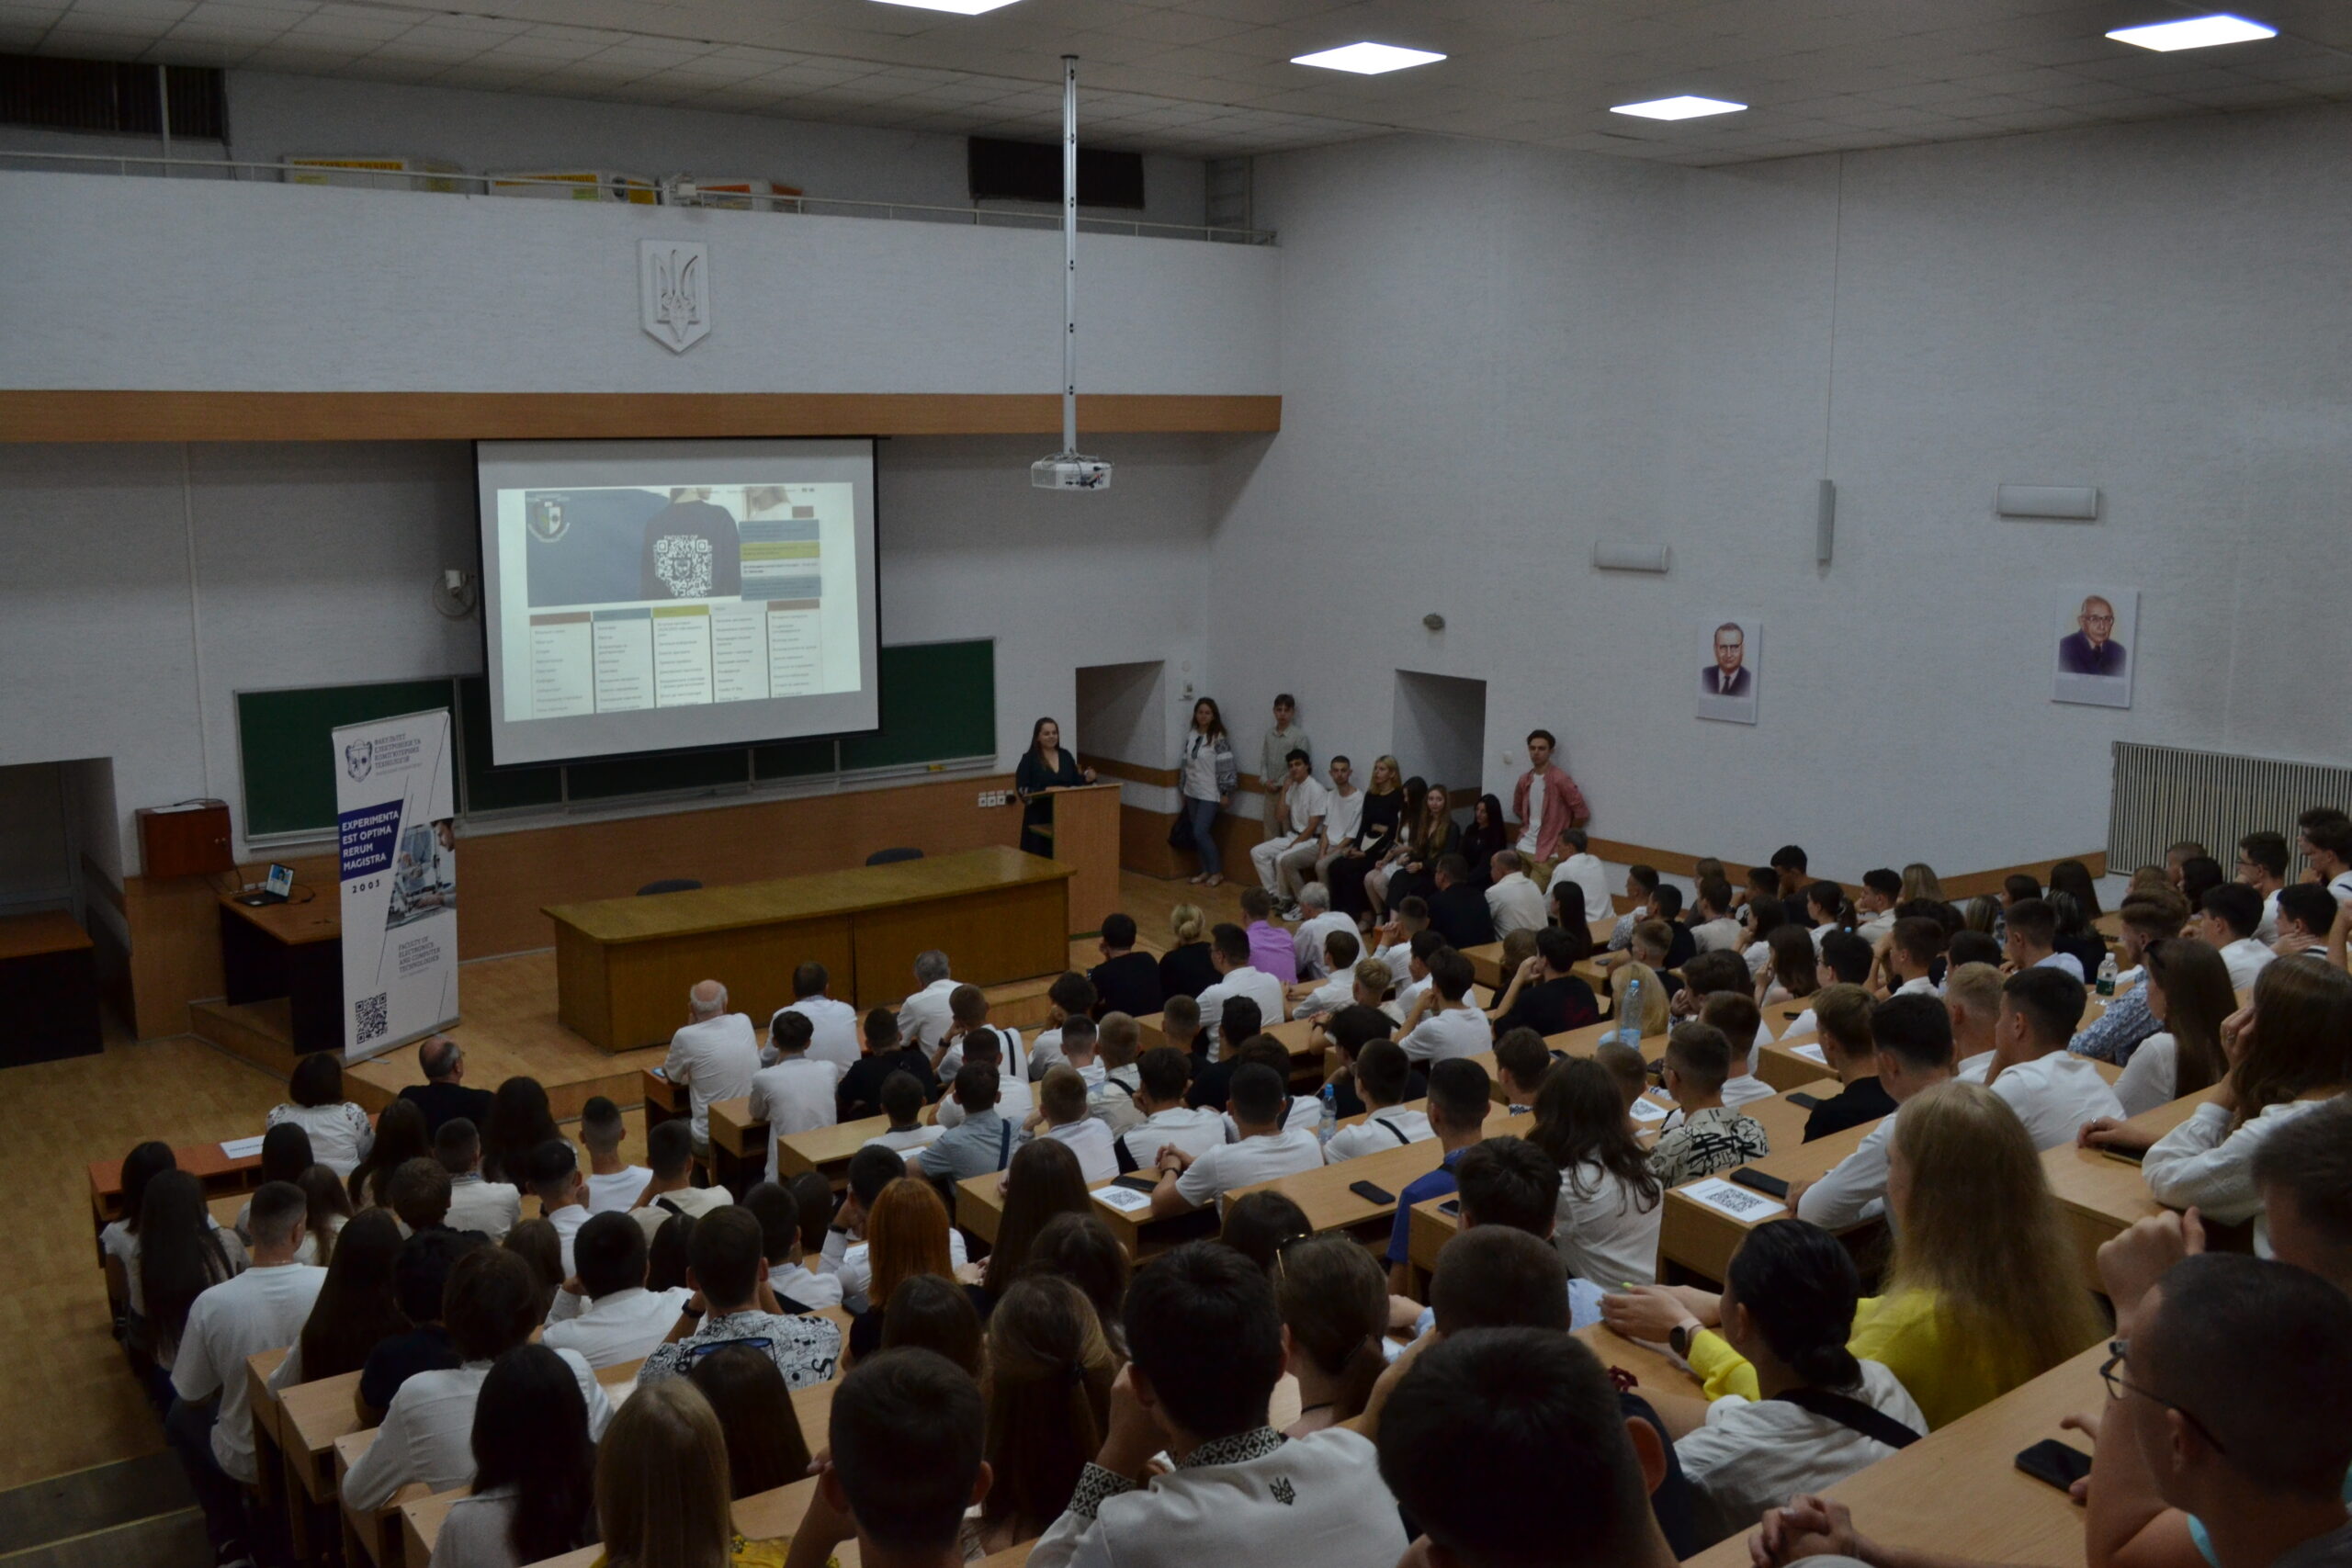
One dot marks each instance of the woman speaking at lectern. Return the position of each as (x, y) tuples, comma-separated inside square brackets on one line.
[(1044, 768)]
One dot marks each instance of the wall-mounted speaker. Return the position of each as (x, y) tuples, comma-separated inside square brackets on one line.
[(2073, 503), (1824, 526), (1627, 555)]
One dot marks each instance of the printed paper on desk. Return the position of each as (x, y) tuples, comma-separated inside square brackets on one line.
[(1126, 1199), (1740, 1203), (1811, 1053), (1647, 1109), (241, 1148)]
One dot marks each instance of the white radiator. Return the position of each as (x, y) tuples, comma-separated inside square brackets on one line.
[(2163, 794)]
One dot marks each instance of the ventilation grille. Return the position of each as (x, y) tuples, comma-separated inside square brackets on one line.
[(2163, 794), (109, 97)]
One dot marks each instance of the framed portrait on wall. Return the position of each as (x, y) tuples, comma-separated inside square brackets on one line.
[(1731, 671), (2096, 643)]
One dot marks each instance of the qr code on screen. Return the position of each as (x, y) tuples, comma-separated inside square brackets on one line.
[(373, 1016)]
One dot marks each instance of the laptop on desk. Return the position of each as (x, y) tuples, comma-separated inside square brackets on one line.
[(276, 889)]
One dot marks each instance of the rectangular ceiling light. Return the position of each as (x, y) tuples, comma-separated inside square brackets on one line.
[(2197, 32), (1367, 58), (1683, 107), (959, 7)]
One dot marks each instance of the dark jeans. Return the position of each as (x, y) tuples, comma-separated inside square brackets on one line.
[(1201, 814), (188, 1428)]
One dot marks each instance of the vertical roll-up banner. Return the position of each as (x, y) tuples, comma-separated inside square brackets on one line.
[(394, 806)]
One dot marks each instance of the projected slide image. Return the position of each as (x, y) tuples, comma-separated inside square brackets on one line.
[(640, 597)]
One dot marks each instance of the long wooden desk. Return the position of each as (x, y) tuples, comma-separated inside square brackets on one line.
[(216, 1172), (1958, 1490), (1702, 1239), (1321, 1192), (2103, 1194), (623, 965), (1486, 968)]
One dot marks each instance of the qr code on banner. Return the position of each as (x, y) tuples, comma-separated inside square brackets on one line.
[(373, 1015)]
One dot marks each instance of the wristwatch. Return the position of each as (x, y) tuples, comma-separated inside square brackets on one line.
[(690, 1311), (1678, 1339)]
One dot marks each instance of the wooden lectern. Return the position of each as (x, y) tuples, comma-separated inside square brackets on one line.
[(1086, 838)]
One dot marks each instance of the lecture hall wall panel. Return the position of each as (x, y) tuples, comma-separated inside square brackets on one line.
[(1640, 352)]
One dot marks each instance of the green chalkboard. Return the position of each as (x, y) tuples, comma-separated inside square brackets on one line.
[(286, 746), (938, 704), (497, 789)]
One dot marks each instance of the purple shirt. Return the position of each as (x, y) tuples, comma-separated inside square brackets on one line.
[(1271, 949)]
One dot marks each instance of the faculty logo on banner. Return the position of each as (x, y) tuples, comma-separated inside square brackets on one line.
[(394, 805)]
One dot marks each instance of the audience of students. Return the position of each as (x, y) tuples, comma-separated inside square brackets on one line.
[(986, 1407)]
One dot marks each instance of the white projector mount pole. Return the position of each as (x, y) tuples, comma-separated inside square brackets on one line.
[(1067, 469)]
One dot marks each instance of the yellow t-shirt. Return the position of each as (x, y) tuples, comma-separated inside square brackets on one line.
[(1945, 1377), (742, 1553)]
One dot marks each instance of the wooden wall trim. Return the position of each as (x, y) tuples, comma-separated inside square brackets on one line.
[(116, 415), (1133, 772)]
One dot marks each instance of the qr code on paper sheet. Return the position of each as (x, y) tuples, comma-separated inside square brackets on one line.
[(373, 1017), (1738, 1203)]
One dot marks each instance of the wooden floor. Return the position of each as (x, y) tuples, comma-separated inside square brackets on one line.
[(66, 1400)]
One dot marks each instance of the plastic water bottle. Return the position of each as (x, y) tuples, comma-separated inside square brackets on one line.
[(1629, 1029), (1330, 1112), (2106, 976)]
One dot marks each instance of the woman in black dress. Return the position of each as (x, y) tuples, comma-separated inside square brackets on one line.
[(1044, 768), (1186, 969), (1400, 845), (1488, 835), (1437, 837), (1383, 804)]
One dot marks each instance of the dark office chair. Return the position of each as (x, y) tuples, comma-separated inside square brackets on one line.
[(889, 857), (669, 885)]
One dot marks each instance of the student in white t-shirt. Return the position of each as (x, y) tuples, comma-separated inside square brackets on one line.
[(492, 1208), (427, 1431), (2031, 932), (262, 1309), (2053, 1091), (2227, 917), (1267, 1150), (1381, 1072), (1168, 1122), (612, 1183), (561, 1191), (1014, 1098), (1061, 1116), (1788, 1305), (1236, 977), (1904, 962), (2323, 837), (832, 1024), (796, 1094), (1712, 930), (1610, 1203), (669, 1150), (968, 1008), (341, 1133), (2188, 995), (604, 1311), (1448, 1023), (794, 1221), (1583, 868), (1736, 1014), (1337, 964), (1071, 996)]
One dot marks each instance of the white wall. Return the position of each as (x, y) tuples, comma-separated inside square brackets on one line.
[(145, 596), (199, 284), (1630, 350)]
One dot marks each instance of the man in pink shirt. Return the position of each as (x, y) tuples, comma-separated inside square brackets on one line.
[(1545, 803), (1271, 947)]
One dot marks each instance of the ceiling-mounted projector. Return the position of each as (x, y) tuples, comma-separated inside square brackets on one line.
[(1070, 469)]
